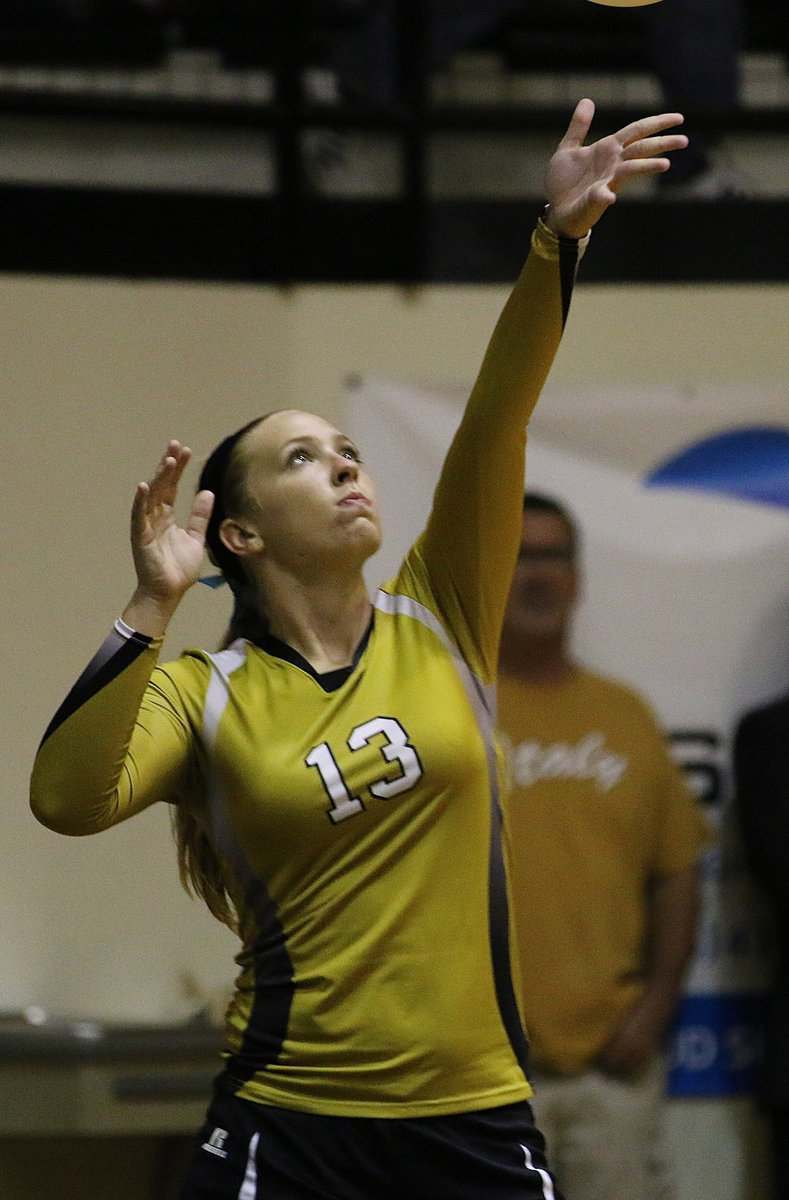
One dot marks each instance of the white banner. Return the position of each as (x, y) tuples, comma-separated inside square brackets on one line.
[(683, 503)]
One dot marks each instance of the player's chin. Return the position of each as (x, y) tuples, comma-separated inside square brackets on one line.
[(373, 535), (364, 533)]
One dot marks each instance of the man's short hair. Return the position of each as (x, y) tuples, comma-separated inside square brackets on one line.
[(540, 502)]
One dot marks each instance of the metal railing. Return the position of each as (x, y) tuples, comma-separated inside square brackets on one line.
[(267, 50)]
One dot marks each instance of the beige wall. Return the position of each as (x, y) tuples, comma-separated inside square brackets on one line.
[(94, 378)]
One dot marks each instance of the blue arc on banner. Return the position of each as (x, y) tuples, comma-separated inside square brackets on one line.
[(749, 463)]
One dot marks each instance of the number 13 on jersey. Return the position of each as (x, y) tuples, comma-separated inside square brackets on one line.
[(395, 748)]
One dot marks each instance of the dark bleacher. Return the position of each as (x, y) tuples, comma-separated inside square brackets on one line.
[(297, 235)]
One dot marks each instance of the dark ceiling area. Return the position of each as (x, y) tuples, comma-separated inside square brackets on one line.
[(293, 233)]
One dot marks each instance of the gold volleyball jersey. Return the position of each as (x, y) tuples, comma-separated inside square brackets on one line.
[(596, 810), (358, 815)]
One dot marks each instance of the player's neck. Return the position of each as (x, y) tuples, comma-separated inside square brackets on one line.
[(325, 625)]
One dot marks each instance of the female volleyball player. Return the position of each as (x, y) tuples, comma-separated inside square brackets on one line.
[(333, 774)]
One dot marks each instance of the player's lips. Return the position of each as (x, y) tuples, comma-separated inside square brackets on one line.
[(354, 498)]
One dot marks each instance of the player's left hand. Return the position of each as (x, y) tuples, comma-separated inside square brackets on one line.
[(583, 181)]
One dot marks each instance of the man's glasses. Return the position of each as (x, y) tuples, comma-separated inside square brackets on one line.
[(546, 554)]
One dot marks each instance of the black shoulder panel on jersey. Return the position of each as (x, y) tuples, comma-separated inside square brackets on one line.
[(500, 946), (268, 1021), (113, 656)]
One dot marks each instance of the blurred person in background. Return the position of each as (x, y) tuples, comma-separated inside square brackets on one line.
[(761, 775), (604, 839)]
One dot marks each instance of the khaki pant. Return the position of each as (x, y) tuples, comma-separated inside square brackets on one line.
[(605, 1136)]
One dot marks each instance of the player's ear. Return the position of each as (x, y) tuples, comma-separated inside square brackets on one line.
[(240, 538)]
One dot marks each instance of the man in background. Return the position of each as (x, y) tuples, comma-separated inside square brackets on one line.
[(604, 845)]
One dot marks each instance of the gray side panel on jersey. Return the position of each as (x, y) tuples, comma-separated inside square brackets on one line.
[(217, 694), (481, 697)]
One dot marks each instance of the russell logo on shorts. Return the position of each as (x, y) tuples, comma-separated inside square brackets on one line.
[(216, 1143)]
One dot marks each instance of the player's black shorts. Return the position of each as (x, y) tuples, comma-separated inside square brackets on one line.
[(249, 1151)]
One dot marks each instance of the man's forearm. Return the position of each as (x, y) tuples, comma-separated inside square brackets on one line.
[(673, 919)]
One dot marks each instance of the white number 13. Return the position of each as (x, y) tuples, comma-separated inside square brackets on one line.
[(396, 748)]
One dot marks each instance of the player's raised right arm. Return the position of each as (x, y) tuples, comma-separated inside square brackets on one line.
[(119, 741)]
